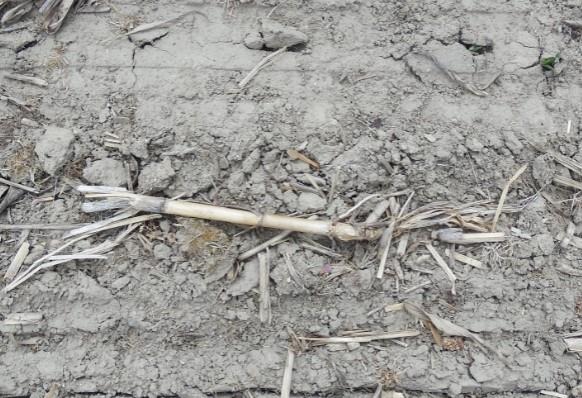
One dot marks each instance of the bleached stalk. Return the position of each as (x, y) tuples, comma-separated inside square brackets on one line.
[(342, 231), (286, 384)]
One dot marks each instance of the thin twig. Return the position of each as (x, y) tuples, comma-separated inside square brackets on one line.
[(260, 66), (43, 227), (19, 186), (271, 242), (443, 264), (357, 206), (342, 231), (504, 195), (287, 374)]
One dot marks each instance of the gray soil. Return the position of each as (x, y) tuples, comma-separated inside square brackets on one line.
[(362, 99)]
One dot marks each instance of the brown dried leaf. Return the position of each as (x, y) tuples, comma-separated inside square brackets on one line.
[(296, 155)]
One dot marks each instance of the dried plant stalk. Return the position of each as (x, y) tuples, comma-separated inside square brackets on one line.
[(265, 298), (457, 236), (504, 195), (567, 162), (27, 79), (153, 204), (465, 259), (286, 384), (271, 242), (17, 262), (19, 186), (443, 264), (567, 182), (574, 344), (362, 338), (260, 66)]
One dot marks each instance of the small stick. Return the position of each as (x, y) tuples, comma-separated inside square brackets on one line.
[(17, 262), (27, 79), (443, 264), (271, 242), (465, 259), (43, 227), (321, 250), (567, 162), (362, 339), (504, 195), (358, 205), (567, 182), (401, 250), (398, 269), (287, 374), (387, 237), (265, 299), (260, 66), (553, 394), (19, 186), (414, 288), (457, 236), (574, 345)]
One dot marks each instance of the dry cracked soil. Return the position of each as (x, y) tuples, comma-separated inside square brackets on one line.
[(385, 96)]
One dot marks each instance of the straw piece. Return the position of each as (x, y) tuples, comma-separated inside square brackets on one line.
[(17, 262), (504, 195), (160, 24), (365, 338), (567, 182), (342, 231), (447, 327), (287, 374), (553, 394), (574, 344), (15, 13), (357, 206), (86, 229), (47, 227), (260, 66), (456, 236), (402, 245), (567, 162), (385, 248), (465, 259), (443, 264), (27, 79), (23, 318), (48, 260), (271, 242), (19, 186), (265, 298)]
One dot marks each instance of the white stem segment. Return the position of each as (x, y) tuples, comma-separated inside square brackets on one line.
[(153, 204)]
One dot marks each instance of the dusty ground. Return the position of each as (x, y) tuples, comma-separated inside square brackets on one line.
[(361, 100)]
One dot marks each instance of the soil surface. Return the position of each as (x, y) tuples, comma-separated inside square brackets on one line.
[(172, 313)]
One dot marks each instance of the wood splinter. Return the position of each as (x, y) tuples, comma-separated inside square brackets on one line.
[(119, 198)]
